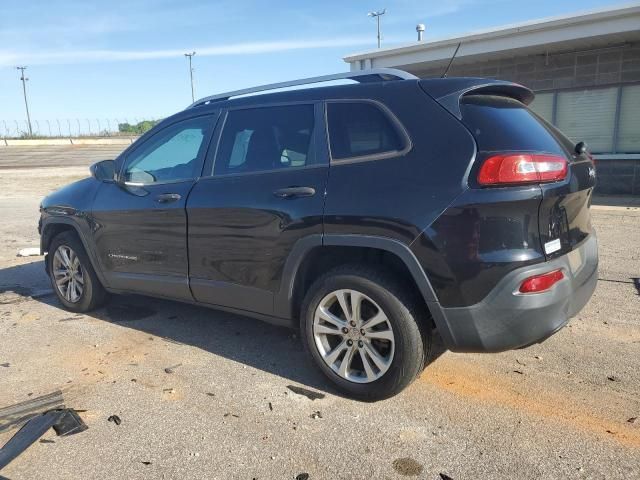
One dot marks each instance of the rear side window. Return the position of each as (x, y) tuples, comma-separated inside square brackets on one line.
[(358, 129), (504, 124), (266, 138)]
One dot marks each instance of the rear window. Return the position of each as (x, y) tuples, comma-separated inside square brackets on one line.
[(503, 124), (359, 129)]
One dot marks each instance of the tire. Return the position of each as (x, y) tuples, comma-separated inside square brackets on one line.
[(88, 295), (406, 345)]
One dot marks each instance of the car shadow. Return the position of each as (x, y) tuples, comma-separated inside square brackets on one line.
[(273, 349)]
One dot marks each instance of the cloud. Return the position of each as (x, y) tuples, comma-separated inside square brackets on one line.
[(249, 48)]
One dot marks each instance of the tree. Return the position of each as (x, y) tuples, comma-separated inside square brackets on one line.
[(138, 128)]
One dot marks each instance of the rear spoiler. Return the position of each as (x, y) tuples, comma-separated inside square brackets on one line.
[(448, 92)]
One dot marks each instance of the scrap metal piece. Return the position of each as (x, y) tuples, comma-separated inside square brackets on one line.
[(64, 422), (15, 415), (69, 423)]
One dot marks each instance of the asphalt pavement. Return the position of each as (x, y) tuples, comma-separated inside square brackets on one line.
[(205, 394)]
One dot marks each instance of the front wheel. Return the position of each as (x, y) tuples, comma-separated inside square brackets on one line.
[(72, 276), (364, 332)]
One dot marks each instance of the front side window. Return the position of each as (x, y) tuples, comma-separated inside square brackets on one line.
[(359, 129), (266, 138), (174, 154)]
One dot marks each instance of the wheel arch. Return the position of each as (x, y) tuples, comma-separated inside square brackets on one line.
[(54, 226), (318, 247)]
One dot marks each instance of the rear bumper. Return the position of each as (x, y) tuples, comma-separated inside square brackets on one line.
[(505, 321)]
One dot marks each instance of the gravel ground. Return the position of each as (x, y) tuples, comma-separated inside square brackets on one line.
[(233, 405)]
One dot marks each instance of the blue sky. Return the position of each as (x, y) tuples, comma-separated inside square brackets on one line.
[(124, 58)]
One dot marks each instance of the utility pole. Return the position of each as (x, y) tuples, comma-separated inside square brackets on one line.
[(377, 16), (24, 91), (190, 55)]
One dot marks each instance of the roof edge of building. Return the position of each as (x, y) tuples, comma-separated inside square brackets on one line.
[(549, 23)]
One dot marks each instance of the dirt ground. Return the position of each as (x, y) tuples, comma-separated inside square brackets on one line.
[(242, 400)]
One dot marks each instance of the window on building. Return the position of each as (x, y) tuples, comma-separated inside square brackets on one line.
[(589, 116), (629, 121), (359, 129), (543, 105), (266, 138)]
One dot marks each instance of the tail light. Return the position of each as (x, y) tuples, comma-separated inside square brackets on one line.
[(541, 283), (522, 168)]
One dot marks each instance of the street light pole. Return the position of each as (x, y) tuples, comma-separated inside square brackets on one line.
[(377, 16), (190, 55), (24, 91)]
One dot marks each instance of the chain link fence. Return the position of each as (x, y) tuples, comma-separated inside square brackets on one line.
[(75, 127)]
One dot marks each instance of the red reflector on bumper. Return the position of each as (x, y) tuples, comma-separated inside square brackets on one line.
[(541, 283)]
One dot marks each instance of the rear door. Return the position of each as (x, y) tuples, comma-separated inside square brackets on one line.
[(263, 191)]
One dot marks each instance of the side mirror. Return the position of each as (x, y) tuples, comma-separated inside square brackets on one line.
[(104, 171)]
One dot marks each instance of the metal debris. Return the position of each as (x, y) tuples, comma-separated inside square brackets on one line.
[(316, 414), (20, 413), (115, 419), (64, 422), (172, 369)]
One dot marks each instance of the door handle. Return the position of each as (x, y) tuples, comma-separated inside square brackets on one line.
[(293, 192), (168, 197)]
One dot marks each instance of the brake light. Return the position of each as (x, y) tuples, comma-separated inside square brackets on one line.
[(541, 283), (522, 168)]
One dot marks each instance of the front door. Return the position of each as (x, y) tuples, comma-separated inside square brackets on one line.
[(265, 191), (141, 223)]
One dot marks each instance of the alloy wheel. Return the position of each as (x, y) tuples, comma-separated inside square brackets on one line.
[(68, 274), (353, 336)]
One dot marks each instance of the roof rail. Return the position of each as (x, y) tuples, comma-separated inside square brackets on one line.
[(362, 76)]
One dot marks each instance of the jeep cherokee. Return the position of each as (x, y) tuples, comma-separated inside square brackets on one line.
[(373, 215)]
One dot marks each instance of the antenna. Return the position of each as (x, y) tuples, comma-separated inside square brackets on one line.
[(451, 61)]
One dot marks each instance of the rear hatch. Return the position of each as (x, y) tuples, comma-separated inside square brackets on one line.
[(503, 126)]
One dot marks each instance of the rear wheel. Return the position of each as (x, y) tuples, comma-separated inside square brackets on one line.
[(364, 332), (73, 278)]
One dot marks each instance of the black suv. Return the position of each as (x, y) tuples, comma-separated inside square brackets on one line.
[(371, 215)]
